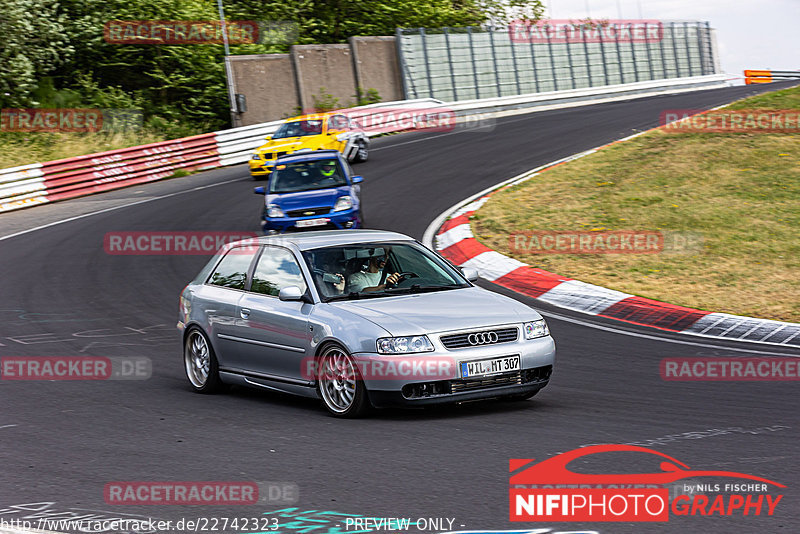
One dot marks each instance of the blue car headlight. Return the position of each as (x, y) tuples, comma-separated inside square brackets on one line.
[(274, 212), (404, 345), (343, 203), (535, 329)]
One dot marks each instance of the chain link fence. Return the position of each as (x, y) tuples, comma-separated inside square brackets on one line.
[(454, 64)]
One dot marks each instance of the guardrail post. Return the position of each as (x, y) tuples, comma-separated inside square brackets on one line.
[(649, 56), (450, 60), (603, 55), (663, 56), (633, 57), (700, 46), (404, 71), (533, 62), (688, 49), (552, 59), (514, 60), (619, 58), (427, 62), (568, 48), (675, 49), (494, 60), (586, 56), (474, 67)]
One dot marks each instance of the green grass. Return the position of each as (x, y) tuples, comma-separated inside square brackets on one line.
[(741, 192)]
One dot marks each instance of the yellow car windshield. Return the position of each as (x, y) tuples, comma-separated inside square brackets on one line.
[(298, 129)]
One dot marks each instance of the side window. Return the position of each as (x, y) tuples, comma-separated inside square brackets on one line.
[(232, 270), (276, 269), (337, 122)]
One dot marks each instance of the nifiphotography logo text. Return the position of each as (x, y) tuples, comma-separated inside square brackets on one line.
[(550, 491)]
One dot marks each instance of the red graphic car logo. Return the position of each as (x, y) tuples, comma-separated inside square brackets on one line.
[(554, 470)]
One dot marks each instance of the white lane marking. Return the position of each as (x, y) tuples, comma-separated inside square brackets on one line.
[(568, 319), (7, 426), (114, 208)]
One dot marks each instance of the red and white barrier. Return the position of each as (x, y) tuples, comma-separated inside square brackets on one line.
[(39, 183)]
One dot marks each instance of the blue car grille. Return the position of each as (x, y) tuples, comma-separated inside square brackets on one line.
[(308, 212)]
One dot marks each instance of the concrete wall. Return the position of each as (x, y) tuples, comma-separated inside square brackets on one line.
[(277, 85), (269, 85), (377, 66)]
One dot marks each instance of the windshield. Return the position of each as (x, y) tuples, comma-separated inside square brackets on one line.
[(298, 129), (306, 176), (372, 270)]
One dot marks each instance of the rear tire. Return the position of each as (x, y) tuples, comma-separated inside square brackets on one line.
[(200, 362), (362, 153), (339, 384)]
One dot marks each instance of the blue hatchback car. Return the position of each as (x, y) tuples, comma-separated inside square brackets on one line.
[(315, 190)]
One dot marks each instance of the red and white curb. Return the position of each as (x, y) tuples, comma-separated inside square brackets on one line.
[(451, 235)]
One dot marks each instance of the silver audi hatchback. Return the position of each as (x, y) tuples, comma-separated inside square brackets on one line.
[(358, 318)]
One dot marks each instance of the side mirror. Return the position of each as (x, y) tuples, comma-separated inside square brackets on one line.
[(469, 273), (357, 179), (259, 190), (268, 137), (290, 293)]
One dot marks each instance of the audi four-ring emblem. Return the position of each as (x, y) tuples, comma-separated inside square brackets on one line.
[(482, 338)]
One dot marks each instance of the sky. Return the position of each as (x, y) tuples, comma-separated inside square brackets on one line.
[(751, 34)]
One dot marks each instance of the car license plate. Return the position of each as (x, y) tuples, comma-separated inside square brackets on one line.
[(311, 222), (489, 366)]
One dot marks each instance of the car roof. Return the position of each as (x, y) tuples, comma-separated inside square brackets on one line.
[(311, 116), (330, 238), (311, 155)]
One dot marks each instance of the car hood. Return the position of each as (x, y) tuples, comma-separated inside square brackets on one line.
[(316, 198), (290, 144), (441, 311)]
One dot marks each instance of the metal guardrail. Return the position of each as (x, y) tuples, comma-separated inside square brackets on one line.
[(769, 76), (39, 183)]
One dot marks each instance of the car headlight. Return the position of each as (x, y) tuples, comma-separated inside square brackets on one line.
[(275, 212), (535, 329), (256, 157), (344, 203), (404, 345)]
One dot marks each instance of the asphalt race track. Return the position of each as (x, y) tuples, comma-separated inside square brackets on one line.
[(61, 294)]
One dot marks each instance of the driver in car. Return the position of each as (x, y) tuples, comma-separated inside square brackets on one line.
[(370, 280)]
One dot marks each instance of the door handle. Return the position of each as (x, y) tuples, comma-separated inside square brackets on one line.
[(245, 313)]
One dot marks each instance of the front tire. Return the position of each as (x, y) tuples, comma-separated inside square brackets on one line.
[(340, 385), (200, 362)]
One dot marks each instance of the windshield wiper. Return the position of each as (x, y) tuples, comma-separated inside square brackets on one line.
[(417, 288), (354, 295)]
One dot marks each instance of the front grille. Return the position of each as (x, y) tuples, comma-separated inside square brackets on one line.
[(276, 155), (460, 341), (308, 212), (457, 386)]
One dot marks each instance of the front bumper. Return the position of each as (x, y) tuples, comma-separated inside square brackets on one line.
[(340, 220), (260, 168), (441, 382)]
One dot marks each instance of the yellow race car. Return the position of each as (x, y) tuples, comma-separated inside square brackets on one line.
[(321, 131)]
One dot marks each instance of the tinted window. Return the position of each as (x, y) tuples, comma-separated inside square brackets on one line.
[(276, 269), (232, 270), (298, 129), (306, 176)]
